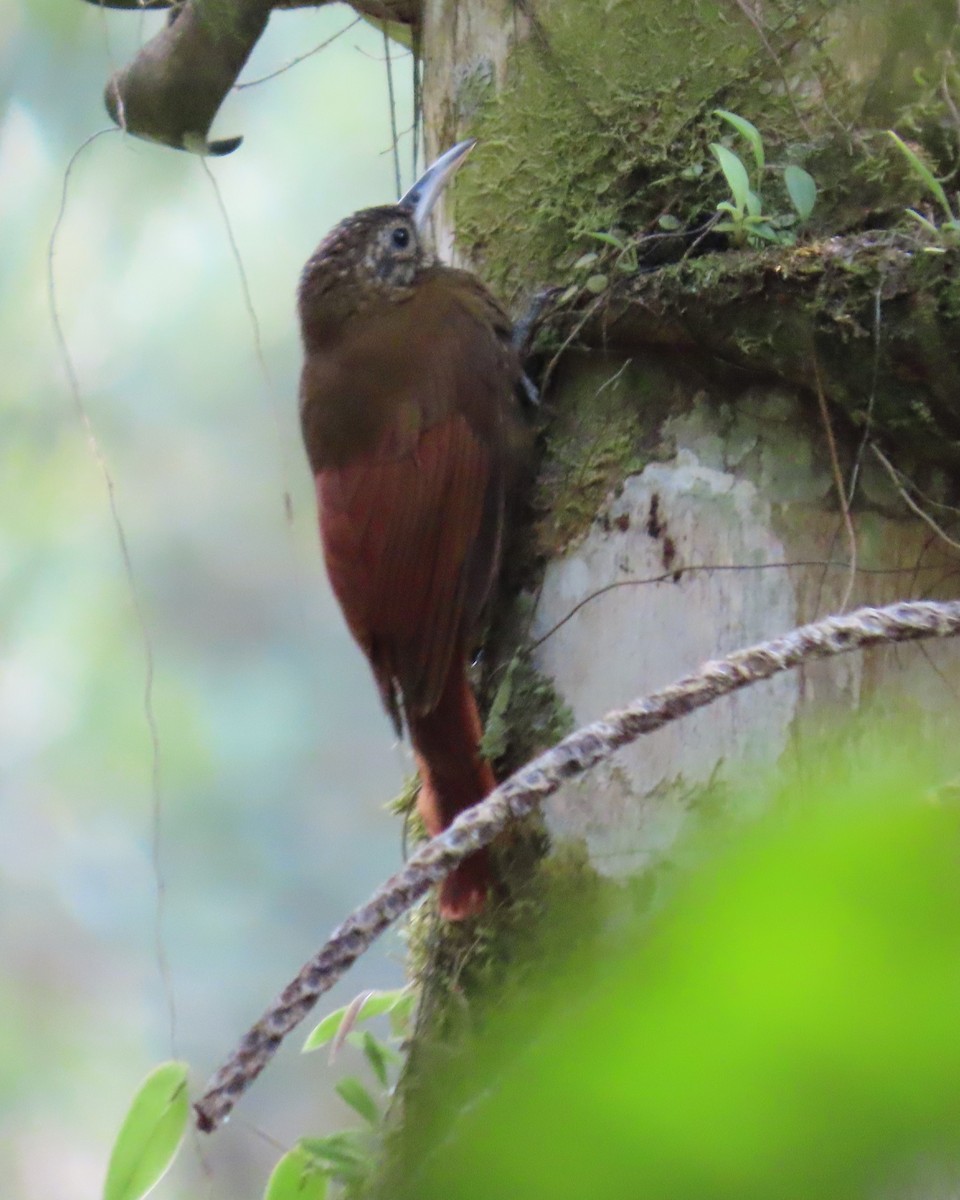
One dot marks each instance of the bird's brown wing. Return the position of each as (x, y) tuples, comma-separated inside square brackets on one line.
[(398, 535), (411, 525)]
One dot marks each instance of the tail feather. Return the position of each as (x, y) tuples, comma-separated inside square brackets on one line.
[(453, 775), (464, 891)]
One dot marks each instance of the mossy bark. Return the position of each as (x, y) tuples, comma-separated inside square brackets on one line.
[(595, 116), (709, 410)]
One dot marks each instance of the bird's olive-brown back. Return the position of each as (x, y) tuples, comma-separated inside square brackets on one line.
[(402, 365), (410, 418)]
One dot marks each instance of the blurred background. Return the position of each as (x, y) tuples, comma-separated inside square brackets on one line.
[(275, 760)]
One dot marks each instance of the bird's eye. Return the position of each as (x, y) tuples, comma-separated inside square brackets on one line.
[(401, 237)]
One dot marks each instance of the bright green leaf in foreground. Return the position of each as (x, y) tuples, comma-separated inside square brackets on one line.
[(786, 1026), (297, 1176), (150, 1135)]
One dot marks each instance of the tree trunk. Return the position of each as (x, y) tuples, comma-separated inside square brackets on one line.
[(710, 410), (740, 431)]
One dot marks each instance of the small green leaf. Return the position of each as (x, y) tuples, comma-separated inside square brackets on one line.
[(402, 1011), (375, 1004), (922, 220), (596, 284), (586, 260), (381, 1002), (761, 229), (669, 222), (347, 1154), (325, 1031), (801, 189), (923, 172), (735, 173), (337, 1149), (376, 1054), (609, 239), (150, 1135), (748, 130), (356, 1095), (753, 204), (694, 171), (297, 1176), (497, 731), (389, 1053)]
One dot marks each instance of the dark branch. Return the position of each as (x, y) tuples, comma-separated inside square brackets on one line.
[(173, 89)]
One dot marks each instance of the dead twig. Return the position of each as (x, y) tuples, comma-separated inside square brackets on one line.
[(908, 500), (294, 62)]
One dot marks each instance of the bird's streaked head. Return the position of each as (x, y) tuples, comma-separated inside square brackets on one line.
[(377, 254)]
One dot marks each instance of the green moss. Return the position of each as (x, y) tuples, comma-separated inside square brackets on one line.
[(607, 114), (874, 315), (405, 802), (605, 122), (526, 716), (604, 427)]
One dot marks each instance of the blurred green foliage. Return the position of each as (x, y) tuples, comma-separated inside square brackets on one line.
[(785, 1025)]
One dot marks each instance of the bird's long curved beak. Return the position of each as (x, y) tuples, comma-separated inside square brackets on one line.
[(423, 195)]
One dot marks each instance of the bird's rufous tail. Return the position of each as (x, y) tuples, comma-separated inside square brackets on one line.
[(453, 776)]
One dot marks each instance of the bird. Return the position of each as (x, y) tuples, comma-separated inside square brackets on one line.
[(412, 425)]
